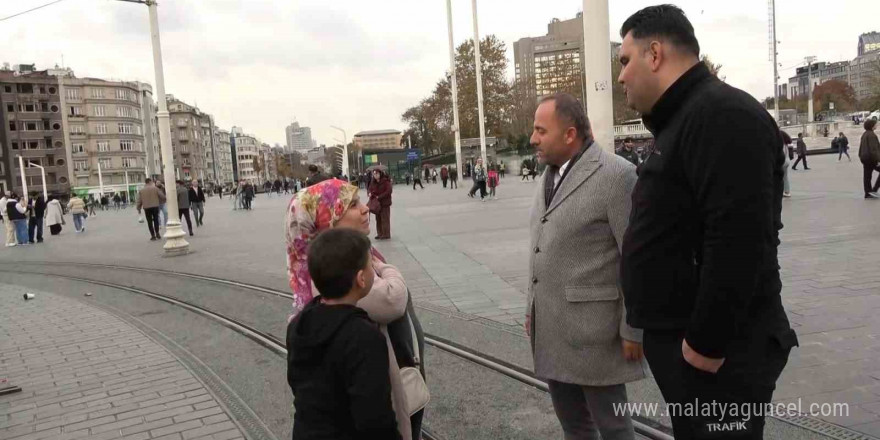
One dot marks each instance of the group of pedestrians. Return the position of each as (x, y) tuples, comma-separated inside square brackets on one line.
[(24, 218), (152, 200)]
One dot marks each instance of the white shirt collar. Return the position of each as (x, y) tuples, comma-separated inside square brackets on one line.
[(561, 171)]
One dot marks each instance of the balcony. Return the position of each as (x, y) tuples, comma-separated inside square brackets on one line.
[(182, 124)]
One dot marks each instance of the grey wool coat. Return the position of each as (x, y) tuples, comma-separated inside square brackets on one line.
[(574, 296)]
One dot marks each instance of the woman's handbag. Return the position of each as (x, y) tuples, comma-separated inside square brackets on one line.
[(374, 205), (417, 395)]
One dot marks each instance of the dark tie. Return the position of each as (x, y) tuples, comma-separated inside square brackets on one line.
[(549, 183)]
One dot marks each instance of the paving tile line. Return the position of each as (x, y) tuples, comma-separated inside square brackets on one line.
[(242, 416), (247, 421)]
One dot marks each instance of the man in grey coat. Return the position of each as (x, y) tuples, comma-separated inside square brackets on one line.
[(575, 318), (183, 205)]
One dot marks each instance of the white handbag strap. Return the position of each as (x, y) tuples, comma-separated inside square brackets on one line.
[(415, 340)]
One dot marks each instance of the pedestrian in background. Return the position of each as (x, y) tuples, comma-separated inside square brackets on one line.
[(417, 180), (575, 311), (162, 207), (7, 223), (627, 152), (54, 216), (453, 177), (91, 202), (786, 144), (479, 173), (77, 209), (869, 155), (492, 181), (801, 152), (502, 168), (843, 147), (525, 173), (35, 222), (16, 213), (380, 190), (236, 196), (197, 202), (183, 205), (444, 175), (248, 195), (335, 204), (150, 198), (699, 265)]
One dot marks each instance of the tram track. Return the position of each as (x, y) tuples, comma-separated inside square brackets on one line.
[(274, 344)]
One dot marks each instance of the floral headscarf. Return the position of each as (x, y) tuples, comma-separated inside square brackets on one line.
[(313, 210)]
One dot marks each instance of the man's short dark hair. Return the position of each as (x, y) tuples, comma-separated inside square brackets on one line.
[(870, 123), (628, 140), (335, 257), (663, 22), (570, 110), (313, 168), (148, 181)]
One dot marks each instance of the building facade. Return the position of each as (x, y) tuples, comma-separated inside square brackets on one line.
[(864, 74), (151, 131), (32, 115), (187, 140), (105, 128), (377, 139), (821, 72), (223, 155), (246, 150), (298, 138)]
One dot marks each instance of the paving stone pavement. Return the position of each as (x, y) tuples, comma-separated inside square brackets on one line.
[(84, 373)]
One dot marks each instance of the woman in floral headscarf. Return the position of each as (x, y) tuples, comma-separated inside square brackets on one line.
[(336, 204)]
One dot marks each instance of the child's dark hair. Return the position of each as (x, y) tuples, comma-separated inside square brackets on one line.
[(335, 257)]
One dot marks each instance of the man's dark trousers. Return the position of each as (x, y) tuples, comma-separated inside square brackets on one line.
[(184, 212), (35, 227), (799, 159), (152, 215), (752, 365)]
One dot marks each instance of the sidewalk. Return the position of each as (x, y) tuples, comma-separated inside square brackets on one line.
[(84, 373)]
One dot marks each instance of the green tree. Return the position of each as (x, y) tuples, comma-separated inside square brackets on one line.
[(622, 111)]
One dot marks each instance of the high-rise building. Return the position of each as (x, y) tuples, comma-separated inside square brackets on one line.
[(821, 72), (207, 126), (105, 128), (554, 62), (869, 42), (298, 138), (31, 113), (151, 131)]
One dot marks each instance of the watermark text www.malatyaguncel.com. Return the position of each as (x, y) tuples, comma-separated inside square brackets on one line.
[(725, 410)]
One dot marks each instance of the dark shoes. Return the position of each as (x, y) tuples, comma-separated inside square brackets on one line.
[(152, 238)]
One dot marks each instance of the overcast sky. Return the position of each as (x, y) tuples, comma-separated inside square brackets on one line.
[(359, 64)]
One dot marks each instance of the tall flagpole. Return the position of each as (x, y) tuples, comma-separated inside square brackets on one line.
[(479, 68), (455, 126), (597, 69)]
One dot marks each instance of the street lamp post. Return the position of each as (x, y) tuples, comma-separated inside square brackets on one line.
[(455, 127), (810, 60), (345, 170), (42, 174), (23, 178), (175, 244), (597, 69), (479, 69)]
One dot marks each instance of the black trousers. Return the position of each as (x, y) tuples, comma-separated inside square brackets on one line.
[(35, 229), (479, 186), (419, 183), (799, 159), (184, 212), (747, 377), (445, 181), (453, 183), (869, 169), (152, 216)]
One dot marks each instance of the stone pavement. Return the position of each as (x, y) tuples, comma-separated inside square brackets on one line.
[(472, 257), (84, 373)]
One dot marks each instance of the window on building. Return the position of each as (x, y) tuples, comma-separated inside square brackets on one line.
[(2, 168), (14, 145), (30, 108), (80, 165), (75, 111), (126, 145), (129, 162), (101, 128), (77, 129), (97, 93), (103, 146), (125, 128), (7, 89), (25, 88), (72, 93), (99, 110), (105, 163), (79, 148), (33, 145), (30, 125), (10, 108), (120, 93)]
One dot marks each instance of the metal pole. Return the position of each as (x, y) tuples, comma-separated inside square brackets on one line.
[(810, 60), (175, 244), (23, 178), (43, 175), (455, 127), (775, 65), (100, 179), (597, 69), (344, 150), (479, 68)]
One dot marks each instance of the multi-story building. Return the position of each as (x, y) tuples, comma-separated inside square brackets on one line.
[(864, 74), (207, 127), (31, 112), (298, 138), (151, 132), (821, 72), (552, 63), (223, 155), (377, 139), (246, 151), (105, 130), (187, 139)]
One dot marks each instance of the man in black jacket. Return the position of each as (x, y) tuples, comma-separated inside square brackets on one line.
[(699, 263), (801, 152), (35, 223)]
